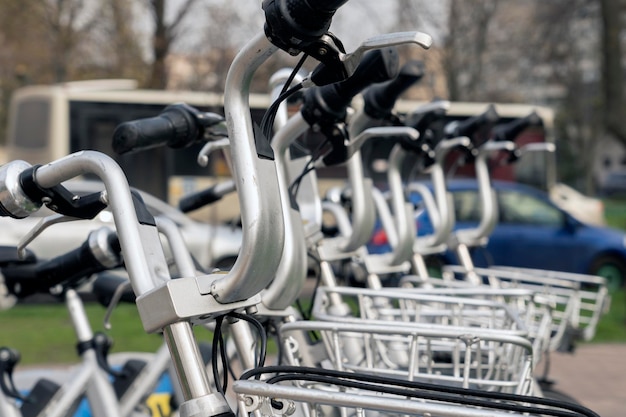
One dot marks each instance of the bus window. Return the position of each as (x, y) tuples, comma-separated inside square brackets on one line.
[(32, 135)]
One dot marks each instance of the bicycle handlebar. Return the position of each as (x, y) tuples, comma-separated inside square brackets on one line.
[(205, 197), (178, 126), (471, 125), (380, 99), (327, 104), (510, 131), (100, 252), (293, 25), (325, 107)]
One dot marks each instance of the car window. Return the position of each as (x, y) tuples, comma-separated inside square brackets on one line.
[(521, 208), (466, 206)]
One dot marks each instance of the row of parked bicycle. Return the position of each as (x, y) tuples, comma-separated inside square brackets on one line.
[(464, 344)]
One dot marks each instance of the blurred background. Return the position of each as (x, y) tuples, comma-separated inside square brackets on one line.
[(565, 54)]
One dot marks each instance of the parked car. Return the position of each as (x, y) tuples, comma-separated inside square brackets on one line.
[(614, 184), (532, 232), (587, 209), (211, 245)]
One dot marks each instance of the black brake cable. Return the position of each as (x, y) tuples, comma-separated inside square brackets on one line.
[(439, 392), (295, 185), (218, 346), (429, 395), (267, 122), (262, 334)]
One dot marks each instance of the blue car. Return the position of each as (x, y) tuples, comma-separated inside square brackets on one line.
[(532, 232)]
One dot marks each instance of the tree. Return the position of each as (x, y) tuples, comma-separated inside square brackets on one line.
[(612, 69), (165, 35), (466, 47)]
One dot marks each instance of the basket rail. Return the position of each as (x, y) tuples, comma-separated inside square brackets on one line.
[(461, 357)]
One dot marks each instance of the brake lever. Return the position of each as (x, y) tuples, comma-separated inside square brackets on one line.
[(405, 132), (115, 299), (210, 147), (42, 225), (351, 61), (331, 53)]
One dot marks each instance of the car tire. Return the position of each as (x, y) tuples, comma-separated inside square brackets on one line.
[(612, 268)]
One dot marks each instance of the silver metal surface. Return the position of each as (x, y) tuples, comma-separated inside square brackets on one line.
[(363, 215), (180, 300), (488, 201), (209, 148), (147, 380), (101, 249), (256, 396), (403, 210), (352, 60), (257, 187), (8, 407), (187, 360), (120, 202), (42, 225), (180, 252), (12, 196), (291, 273)]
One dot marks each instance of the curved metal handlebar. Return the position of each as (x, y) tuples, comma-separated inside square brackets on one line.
[(257, 187), (488, 201), (144, 277)]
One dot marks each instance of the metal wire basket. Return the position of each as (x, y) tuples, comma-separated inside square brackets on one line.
[(295, 391), (534, 309), (454, 356), (398, 305), (579, 300)]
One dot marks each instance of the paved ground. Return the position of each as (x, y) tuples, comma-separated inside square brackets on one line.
[(595, 375)]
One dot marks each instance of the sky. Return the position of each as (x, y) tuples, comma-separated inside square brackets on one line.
[(353, 23)]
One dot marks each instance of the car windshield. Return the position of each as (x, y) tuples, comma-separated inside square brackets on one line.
[(521, 208), (466, 206)]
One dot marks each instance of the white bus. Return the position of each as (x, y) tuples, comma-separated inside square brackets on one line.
[(50, 121)]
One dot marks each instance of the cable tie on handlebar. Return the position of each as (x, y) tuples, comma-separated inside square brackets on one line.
[(143, 215), (59, 199), (263, 148)]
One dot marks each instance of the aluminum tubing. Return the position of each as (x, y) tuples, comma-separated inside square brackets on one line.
[(257, 186), (120, 202)]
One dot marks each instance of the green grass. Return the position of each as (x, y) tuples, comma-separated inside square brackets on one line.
[(612, 326), (43, 333), (615, 213)]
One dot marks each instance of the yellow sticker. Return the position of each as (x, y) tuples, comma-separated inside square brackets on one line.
[(159, 404)]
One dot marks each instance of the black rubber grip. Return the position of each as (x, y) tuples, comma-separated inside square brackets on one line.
[(202, 198), (27, 279), (175, 127), (510, 131), (380, 99), (328, 103), (295, 23), (472, 124)]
